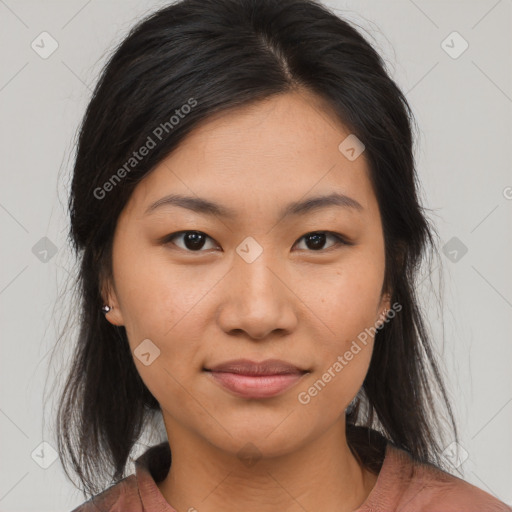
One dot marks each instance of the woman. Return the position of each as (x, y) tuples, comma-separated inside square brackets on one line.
[(245, 213)]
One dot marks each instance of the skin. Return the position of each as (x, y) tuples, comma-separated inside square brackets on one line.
[(294, 302)]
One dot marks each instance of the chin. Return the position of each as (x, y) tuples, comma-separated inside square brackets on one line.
[(259, 440)]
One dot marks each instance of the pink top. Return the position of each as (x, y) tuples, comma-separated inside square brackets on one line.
[(402, 485)]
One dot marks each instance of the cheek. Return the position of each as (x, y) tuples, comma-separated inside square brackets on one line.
[(344, 305), (345, 298), (325, 396), (174, 347), (158, 304), (333, 386), (155, 294)]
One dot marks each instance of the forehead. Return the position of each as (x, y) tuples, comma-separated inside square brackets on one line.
[(276, 151)]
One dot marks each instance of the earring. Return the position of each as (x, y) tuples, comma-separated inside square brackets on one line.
[(106, 309)]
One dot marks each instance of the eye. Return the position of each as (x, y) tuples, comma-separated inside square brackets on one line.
[(316, 239), (193, 241)]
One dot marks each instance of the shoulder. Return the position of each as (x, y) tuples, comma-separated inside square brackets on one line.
[(443, 492), (121, 497), (424, 487), (137, 492)]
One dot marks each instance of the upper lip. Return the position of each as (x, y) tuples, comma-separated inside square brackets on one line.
[(248, 367)]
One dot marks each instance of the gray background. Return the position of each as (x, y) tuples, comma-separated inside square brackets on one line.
[(463, 107)]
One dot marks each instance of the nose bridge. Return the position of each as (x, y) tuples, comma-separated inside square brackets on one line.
[(257, 300), (256, 275)]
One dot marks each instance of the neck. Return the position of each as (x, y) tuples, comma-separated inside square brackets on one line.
[(321, 475)]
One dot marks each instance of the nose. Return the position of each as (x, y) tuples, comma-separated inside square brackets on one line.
[(257, 299)]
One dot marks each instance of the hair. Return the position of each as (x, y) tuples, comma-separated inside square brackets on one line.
[(219, 55)]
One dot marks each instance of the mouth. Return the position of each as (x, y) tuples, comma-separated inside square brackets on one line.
[(249, 379)]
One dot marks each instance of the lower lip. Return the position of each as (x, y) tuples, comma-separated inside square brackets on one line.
[(252, 386)]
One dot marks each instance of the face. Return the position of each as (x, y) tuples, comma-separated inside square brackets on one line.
[(249, 281)]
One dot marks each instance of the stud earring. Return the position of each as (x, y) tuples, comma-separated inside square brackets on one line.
[(106, 309)]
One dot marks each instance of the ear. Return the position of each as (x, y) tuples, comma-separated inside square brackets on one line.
[(114, 316), (385, 305)]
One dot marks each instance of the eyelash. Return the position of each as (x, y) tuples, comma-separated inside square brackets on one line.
[(339, 240)]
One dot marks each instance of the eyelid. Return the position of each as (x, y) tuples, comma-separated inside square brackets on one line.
[(167, 239), (340, 239)]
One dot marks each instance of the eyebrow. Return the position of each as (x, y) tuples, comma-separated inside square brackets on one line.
[(207, 207)]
